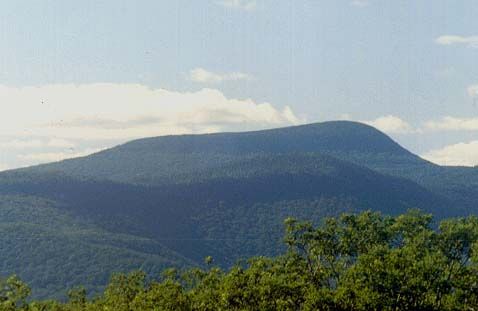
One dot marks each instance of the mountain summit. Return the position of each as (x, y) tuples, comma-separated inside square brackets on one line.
[(173, 200), (178, 158)]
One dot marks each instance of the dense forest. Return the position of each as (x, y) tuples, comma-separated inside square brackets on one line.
[(171, 201), (363, 261)]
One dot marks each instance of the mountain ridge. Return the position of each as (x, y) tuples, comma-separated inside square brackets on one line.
[(224, 194), (335, 138)]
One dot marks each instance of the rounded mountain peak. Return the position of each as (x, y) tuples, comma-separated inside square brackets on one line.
[(332, 136)]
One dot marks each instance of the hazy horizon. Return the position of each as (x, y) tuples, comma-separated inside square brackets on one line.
[(76, 78)]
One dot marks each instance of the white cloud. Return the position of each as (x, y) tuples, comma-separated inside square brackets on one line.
[(471, 41), (21, 144), (54, 118), (246, 5), (462, 154), (201, 75), (452, 124), (46, 157), (60, 143), (35, 143), (4, 167), (391, 125), (472, 91), (112, 111), (360, 3)]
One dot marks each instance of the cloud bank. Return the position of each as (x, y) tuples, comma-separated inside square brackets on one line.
[(452, 124), (391, 125), (462, 154), (45, 123)]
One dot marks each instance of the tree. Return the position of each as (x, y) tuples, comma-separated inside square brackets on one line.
[(363, 261), (13, 293)]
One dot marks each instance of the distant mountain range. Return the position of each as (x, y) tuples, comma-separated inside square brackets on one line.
[(173, 200)]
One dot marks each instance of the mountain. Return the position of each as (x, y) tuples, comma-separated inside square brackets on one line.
[(178, 159), (173, 200)]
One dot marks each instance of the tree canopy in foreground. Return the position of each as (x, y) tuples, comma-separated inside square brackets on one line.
[(353, 262)]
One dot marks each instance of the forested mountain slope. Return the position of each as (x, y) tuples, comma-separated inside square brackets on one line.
[(224, 195), (179, 159), (50, 247), (186, 158)]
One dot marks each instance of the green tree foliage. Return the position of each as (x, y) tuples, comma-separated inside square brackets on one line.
[(360, 261), (13, 293)]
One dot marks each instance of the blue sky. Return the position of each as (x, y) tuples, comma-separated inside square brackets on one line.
[(407, 67)]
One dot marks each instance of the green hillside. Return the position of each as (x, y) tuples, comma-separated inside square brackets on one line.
[(360, 262), (171, 201), (174, 159), (55, 251)]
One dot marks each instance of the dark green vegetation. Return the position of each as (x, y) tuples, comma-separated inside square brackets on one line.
[(360, 261), (39, 240), (171, 201)]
